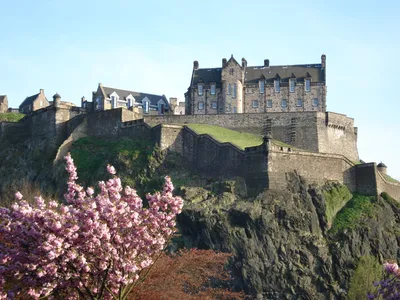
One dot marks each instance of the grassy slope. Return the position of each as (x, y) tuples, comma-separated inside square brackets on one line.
[(10, 117), (240, 139)]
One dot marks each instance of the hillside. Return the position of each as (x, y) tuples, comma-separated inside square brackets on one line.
[(11, 117), (300, 243)]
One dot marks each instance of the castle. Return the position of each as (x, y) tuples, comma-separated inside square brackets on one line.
[(321, 146)]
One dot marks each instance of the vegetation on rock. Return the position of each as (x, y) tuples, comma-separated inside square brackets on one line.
[(336, 196)]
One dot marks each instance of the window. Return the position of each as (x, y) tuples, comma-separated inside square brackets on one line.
[(229, 88), (255, 103), (269, 103), (214, 105), (292, 84), (161, 108), (261, 84), (308, 85), (200, 89), (234, 90), (234, 109), (284, 103), (277, 85), (315, 102), (228, 107), (299, 102), (146, 107), (114, 101), (41, 103), (201, 105), (213, 89)]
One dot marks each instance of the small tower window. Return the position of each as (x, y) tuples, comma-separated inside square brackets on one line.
[(261, 85), (315, 102), (292, 83), (214, 105), (201, 105), (255, 103), (234, 90), (200, 89), (308, 85), (277, 85), (284, 103), (269, 103), (213, 89)]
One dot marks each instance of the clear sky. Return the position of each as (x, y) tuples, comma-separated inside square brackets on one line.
[(149, 46)]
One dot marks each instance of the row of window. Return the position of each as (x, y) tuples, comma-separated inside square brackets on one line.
[(261, 85), (299, 103), (255, 103)]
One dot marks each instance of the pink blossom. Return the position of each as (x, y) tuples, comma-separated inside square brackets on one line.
[(18, 196), (48, 246)]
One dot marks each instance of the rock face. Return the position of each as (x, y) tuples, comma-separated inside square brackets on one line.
[(281, 243)]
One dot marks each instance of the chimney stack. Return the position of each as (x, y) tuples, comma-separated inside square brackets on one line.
[(244, 62), (223, 62), (173, 101), (42, 91), (195, 65), (266, 63), (323, 61)]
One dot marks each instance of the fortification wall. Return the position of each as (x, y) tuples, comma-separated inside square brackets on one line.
[(105, 124), (366, 179), (315, 167), (337, 134), (393, 189)]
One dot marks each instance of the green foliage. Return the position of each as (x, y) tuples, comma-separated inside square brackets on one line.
[(336, 197), (11, 117), (390, 179), (240, 139), (353, 212), (367, 272), (135, 161)]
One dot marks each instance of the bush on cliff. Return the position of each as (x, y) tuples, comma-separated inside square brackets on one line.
[(336, 197)]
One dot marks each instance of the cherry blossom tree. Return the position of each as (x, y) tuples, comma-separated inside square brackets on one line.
[(96, 246), (389, 288)]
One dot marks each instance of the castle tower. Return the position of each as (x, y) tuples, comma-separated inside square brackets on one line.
[(382, 168), (232, 78), (56, 100)]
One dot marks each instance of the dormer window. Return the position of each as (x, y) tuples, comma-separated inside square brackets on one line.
[(114, 101), (234, 90), (277, 85), (200, 89), (308, 85), (212, 88), (261, 85), (292, 85)]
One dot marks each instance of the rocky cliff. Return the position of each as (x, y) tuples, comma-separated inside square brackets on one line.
[(302, 242)]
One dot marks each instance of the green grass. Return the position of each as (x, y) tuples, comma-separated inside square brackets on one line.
[(135, 161), (222, 135), (335, 198), (390, 179), (350, 216), (11, 117)]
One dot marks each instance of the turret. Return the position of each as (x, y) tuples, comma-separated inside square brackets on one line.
[(382, 168), (195, 65), (56, 100)]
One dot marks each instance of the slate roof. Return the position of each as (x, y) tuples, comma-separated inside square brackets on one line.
[(29, 100), (381, 165), (137, 95), (253, 74)]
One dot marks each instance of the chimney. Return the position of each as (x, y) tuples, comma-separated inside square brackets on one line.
[(266, 63), (100, 84), (195, 65), (42, 91), (223, 62), (83, 102), (244, 62), (323, 61), (56, 100), (173, 101)]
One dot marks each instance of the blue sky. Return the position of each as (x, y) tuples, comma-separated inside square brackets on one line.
[(70, 46)]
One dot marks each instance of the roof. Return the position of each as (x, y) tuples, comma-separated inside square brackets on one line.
[(2, 97), (29, 100), (137, 95), (382, 165), (253, 74)]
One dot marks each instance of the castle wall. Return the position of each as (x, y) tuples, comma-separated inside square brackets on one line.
[(337, 134), (105, 124), (315, 167), (393, 189), (366, 179)]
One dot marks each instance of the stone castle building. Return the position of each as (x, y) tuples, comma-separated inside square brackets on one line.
[(105, 98), (34, 102), (238, 88)]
